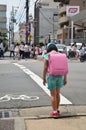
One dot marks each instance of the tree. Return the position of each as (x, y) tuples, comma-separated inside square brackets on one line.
[(3, 38)]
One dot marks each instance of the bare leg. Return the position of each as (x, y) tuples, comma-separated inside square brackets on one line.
[(55, 98), (58, 97)]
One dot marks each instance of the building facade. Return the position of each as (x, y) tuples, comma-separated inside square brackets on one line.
[(64, 32), (45, 21), (3, 19)]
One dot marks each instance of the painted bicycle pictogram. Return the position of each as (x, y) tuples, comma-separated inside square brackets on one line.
[(18, 97)]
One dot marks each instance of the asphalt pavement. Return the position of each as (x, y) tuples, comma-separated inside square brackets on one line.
[(71, 118)]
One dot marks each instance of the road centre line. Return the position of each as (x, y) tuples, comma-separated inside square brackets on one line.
[(39, 81)]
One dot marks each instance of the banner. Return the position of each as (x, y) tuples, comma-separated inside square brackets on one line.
[(72, 10)]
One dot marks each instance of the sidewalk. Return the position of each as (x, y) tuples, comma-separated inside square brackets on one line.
[(71, 118)]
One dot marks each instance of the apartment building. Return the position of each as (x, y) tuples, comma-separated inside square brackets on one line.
[(3, 19), (64, 32), (45, 21)]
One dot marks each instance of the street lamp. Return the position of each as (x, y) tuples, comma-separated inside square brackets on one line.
[(72, 31), (55, 17)]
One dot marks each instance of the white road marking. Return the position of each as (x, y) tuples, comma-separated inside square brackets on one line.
[(18, 97), (39, 81), (4, 61)]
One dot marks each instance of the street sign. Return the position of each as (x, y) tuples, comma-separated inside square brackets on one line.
[(72, 10)]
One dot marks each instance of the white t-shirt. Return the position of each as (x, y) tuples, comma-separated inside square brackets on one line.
[(1, 46), (12, 47), (21, 47)]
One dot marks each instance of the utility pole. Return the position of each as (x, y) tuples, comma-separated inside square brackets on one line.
[(35, 22), (27, 19), (12, 25), (9, 33), (12, 22)]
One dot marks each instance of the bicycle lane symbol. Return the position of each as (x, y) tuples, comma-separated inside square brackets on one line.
[(18, 97)]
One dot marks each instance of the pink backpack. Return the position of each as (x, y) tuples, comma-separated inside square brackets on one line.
[(58, 64)]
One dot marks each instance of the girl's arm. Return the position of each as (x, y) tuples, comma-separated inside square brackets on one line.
[(45, 70), (65, 79)]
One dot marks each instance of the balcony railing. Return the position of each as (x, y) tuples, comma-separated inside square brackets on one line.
[(63, 20)]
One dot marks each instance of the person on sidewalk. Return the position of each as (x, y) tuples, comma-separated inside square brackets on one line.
[(12, 48), (21, 50), (17, 51), (26, 51), (54, 82), (1, 49)]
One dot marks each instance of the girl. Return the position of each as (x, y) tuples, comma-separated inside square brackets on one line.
[(54, 82)]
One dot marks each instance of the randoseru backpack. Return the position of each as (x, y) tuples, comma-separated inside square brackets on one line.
[(58, 64)]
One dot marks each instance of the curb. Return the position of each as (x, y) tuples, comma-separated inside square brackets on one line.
[(21, 115)]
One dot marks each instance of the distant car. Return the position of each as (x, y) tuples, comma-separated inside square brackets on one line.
[(62, 48), (79, 45)]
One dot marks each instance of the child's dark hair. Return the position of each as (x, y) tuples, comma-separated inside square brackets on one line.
[(51, 47)]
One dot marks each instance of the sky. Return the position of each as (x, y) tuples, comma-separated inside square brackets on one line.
[(19, 6)]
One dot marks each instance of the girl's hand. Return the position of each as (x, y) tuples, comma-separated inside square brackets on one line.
[(44, 81), (65, 81)]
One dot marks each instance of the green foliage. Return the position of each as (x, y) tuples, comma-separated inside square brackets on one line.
[(3, 38), (40, 44)]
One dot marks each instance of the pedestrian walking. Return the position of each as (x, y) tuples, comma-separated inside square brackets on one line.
[(17, 51), (21, 50), (12, 48), (72, 52), (36, 51), (32, 52), (26, 51), (1, 49), (55, 83)]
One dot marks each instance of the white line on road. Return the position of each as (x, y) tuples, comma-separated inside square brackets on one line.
[(39, 81)]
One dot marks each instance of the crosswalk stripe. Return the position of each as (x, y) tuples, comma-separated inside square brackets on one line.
[(39, 81), (4, 61)]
